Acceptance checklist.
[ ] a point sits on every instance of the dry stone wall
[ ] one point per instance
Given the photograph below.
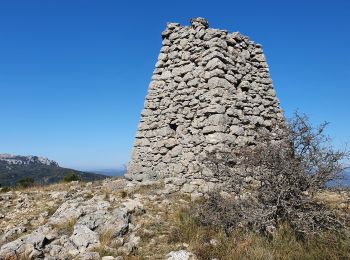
(210, 91)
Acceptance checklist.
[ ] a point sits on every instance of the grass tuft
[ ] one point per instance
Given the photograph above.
(123, 194)
(106, 246)
(106, 237)
(66, 227)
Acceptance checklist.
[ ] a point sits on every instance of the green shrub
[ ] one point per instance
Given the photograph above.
(25, 183)
(69, 177)
(4, 189)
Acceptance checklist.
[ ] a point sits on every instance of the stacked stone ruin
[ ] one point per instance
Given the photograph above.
(210, 91)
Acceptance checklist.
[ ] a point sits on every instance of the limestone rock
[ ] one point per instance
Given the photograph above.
(108, 258)
(133, 205)
(210, 92)
(180, 255)
(84, 238)
(199, 22)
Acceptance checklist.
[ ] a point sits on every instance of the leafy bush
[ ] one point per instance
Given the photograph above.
(25, 183)
(71, 177)
(274, 182)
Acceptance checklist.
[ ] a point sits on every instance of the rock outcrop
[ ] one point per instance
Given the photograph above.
(11, 159)
(73, 230)
(210, 91)
(111, 220)
(107, 219)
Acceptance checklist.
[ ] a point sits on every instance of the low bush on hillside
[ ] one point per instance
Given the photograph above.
(275, 182)
(69, 177)
(4, 189)
(25, 183)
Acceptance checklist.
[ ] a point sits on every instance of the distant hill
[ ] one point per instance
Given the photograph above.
(346, 180)
(42, 170)
(111, 172)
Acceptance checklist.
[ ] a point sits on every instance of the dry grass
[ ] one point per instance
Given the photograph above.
(45, 187)
(25, 256)
(106, 237)
(211, 242)
(148, 189)
(106, 194)
(156, 227)
(103, 251)
(52, 210)
(336, 199)
(123, 194)
(108, 245)
(88, 195)
(65, 227)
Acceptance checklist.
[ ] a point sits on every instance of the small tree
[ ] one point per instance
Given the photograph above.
(69, 177)
(275, 181)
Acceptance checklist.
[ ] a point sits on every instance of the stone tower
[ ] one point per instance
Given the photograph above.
(210, 91)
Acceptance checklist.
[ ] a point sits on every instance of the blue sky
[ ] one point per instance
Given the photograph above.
(74, 74)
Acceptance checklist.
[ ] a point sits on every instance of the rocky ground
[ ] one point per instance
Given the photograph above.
(112, 219)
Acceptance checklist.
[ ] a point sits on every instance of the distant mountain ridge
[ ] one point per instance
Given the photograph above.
(346, 179)
(42, 170)
(26, 160)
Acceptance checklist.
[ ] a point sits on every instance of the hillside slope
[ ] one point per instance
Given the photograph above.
(41, 170)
